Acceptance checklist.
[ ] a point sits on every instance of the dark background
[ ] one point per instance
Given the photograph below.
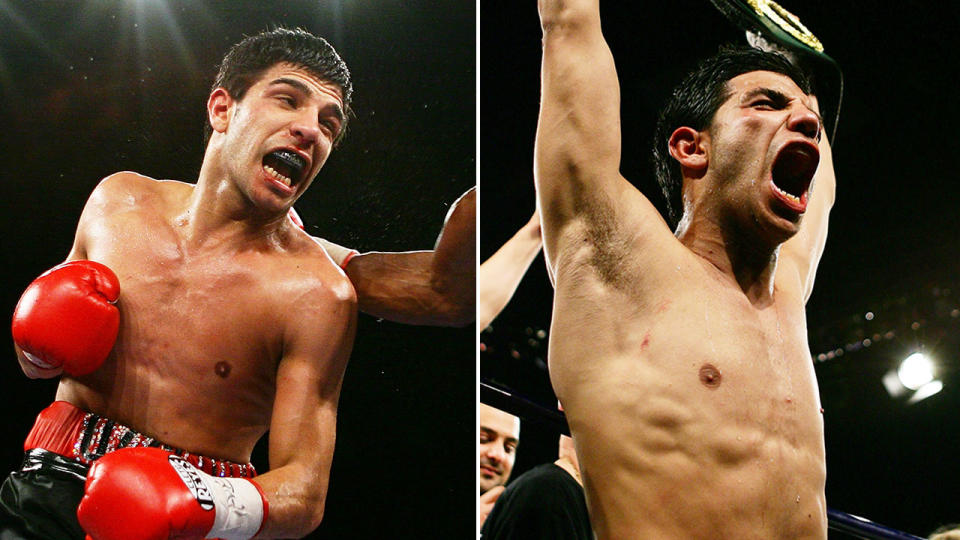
(892, 248)
(88, 88)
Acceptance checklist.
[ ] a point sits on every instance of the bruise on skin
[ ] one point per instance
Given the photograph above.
(710, 376)
(222, 369)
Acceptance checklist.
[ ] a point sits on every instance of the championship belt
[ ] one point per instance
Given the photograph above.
(770, 27)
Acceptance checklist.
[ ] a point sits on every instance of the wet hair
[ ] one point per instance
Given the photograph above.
(695, 101)
(246, 62)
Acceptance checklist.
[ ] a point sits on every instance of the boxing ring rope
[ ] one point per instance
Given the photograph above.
(527, 409)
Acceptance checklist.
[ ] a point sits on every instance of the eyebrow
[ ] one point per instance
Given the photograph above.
(306, 91)
(777, 96)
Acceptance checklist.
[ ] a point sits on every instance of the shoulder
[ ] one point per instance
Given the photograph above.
(127, 188)
(546, 478)
(311, 272)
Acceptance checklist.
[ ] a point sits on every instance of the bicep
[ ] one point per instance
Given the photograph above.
(303, 423)
(309, 377)
(578, 132)
(582, 195)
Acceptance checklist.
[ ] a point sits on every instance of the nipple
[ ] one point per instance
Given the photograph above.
(222, 369)
(710, 376)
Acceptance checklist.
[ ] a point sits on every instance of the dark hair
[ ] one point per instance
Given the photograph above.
(246, 61)
(695, 101)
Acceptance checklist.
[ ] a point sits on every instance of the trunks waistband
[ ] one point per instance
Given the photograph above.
(85, 437)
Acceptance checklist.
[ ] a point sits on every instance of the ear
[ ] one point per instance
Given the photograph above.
(219, 106)
(687, 146)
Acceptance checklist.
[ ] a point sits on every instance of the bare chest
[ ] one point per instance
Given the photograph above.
(196, 313)
(689, 353)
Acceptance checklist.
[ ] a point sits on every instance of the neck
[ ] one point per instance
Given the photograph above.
(217, 212)
(750, 262)
(570, 466)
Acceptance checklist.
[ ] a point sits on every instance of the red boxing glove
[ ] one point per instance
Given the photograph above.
(150, 494)
(66, 317)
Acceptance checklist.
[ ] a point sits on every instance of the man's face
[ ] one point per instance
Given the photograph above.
(499, 434)
(763, 151)
(280, 134)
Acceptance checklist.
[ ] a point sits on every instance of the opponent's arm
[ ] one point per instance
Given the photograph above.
(499, 276)
(303, 425)
(577, 155)
(801, 254)
(421, 287)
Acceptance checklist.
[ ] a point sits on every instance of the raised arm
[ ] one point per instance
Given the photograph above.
(499, 276)
(303, 425)
(801, 254)
(577, 155)
(434, 288)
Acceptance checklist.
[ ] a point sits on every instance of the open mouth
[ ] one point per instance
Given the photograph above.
(285, 166)
(793, 170)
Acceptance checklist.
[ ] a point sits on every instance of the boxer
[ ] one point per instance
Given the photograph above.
(679, 350)
(230, 320)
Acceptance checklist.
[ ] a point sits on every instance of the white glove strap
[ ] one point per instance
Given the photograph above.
(239, 508)
(237, 502)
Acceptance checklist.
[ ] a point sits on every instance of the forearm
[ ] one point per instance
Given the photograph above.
(806, 248)
(499, 276)
(434, 288)
(454, 262)
(403, 287)
(296, 496)
(577, 151)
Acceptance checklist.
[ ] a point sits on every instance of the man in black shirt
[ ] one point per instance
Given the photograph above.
(545, 502)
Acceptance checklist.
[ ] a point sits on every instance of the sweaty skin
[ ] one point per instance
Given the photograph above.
(233, 320)
(681, 360)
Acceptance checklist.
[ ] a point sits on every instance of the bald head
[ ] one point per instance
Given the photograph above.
(499, 435)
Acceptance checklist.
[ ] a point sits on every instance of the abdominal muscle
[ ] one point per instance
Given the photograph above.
(690, 426)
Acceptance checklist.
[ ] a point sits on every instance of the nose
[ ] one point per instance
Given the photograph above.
(805, 121)
(494, 453)
(307, 131)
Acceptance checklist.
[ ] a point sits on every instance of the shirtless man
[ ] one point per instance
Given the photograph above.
(231, 320)
(680, 356)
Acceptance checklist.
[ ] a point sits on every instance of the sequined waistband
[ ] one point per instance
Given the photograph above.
(85, 437)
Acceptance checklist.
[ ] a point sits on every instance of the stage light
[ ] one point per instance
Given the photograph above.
(915, 371)
(925, 391)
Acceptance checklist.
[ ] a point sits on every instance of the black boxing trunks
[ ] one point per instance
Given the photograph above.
(39, 501)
